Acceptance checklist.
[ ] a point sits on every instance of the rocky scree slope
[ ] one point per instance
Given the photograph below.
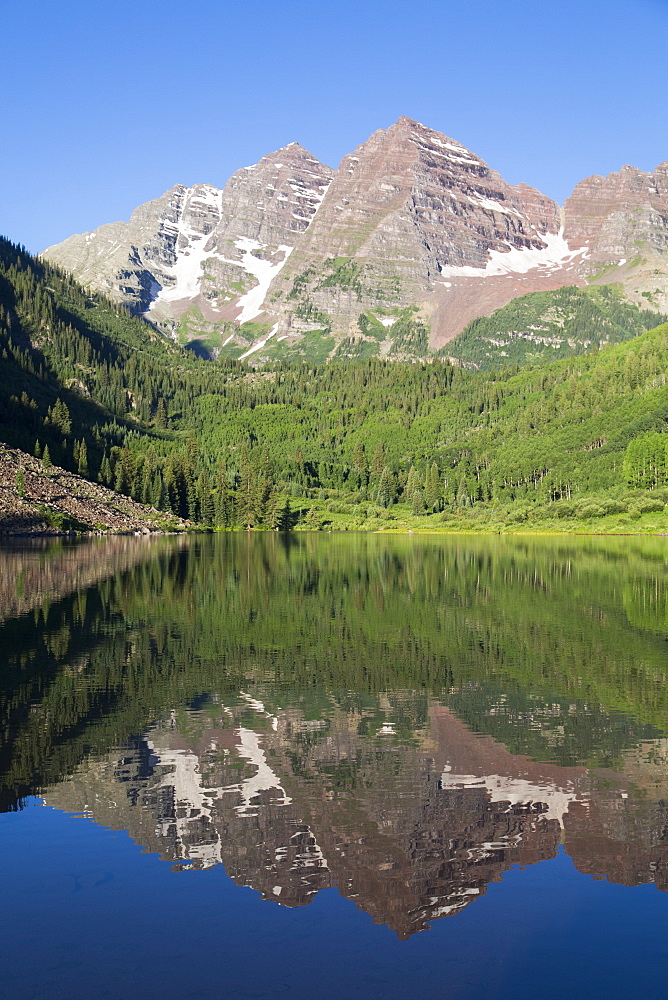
(393, 254)
(35, 500)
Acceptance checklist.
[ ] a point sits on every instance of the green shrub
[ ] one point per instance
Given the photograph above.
(649, 505)
(519, 514)
(586, 511)
(611, 506)
(563, 509)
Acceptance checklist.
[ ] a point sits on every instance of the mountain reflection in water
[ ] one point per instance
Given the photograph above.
(410, 831)
(403, 719)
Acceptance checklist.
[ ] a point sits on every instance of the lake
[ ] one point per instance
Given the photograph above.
(334, 766)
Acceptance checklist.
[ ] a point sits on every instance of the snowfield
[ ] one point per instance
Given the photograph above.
(553, 256)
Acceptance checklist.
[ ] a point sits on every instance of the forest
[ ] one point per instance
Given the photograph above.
(347, 444)
(544, 326)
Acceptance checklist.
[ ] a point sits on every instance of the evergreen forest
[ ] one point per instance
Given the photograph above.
(349, 444)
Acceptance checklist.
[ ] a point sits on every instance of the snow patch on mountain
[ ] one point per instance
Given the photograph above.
(264, 270)
(556, 254)
(494, 206)
(260, 344)
(264, 780)
(186, 271)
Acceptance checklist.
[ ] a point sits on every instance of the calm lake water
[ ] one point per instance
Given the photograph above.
(255, 766)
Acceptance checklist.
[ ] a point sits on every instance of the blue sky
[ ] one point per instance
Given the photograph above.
(106, 105)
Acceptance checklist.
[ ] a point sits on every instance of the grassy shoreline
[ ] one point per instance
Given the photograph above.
(399, 519)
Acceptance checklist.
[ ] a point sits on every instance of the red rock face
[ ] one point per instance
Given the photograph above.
(407, 207)
(416, 197)
(623, 220)
(613, 214)
(410, 219)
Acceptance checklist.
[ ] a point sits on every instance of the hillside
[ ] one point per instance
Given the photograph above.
(544, 326)
(35, 499)
(355, 445)
(98, 388)
(496, 447)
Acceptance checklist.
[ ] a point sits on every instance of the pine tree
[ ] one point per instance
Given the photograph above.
(360, 467)
(411, 484)
(385, 491)
(161, 417)
(266, 487)
(225, 508)
(247, 499)
(46, 458)
(224, 498)
(104, 476)
(313, 519)
(205, 502)
(189, 463)
(432, 490)
(417, 502)
(120, 478)
(158, 493)
(462, 499)
(174, 487)
(279, 514)
(378, 462)
(285, 522)
(82, 464)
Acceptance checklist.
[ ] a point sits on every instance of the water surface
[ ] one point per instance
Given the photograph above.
(250, 765)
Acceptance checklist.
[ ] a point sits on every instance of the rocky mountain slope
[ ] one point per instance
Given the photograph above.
(203, 249)
(623, 220)
(393, 254)
(35, 500)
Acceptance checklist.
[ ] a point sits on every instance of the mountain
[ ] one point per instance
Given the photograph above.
(203, 250)
(623, 220)
(391, 255)
(341, 445)
(406, 216)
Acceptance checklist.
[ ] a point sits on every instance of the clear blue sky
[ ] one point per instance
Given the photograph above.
(107, 104)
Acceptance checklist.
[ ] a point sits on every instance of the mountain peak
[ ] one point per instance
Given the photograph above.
(293, 150)
(415, 217)
(407, 129)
